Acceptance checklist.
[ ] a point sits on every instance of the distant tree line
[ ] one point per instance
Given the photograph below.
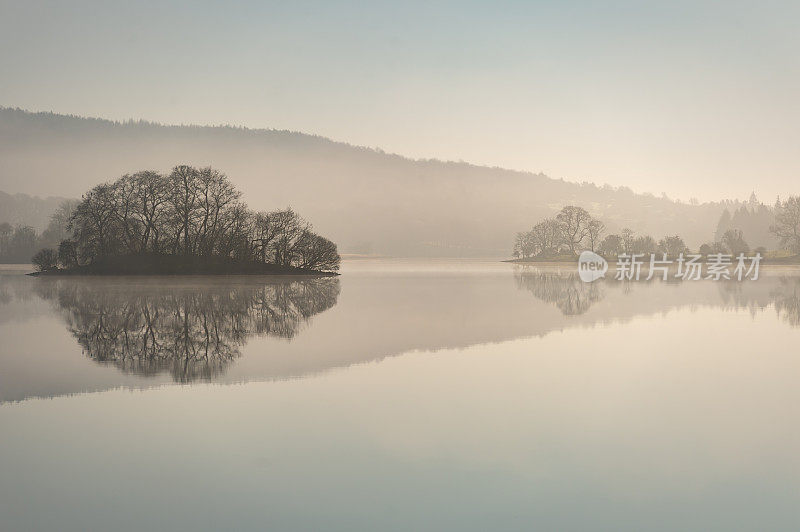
(573, 230)
(731, 242)
(627, 242)
(781, 223)
(189, 212)
(19, 242)
(25, 210)
(753, 219)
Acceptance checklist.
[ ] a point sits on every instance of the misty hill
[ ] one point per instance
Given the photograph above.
(368, 201)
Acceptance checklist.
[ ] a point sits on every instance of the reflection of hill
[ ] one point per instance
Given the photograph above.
(188, 331)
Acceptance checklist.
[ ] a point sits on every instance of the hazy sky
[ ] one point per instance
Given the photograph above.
(689, 98)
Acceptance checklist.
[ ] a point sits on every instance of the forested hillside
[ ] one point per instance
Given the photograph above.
(366, 200)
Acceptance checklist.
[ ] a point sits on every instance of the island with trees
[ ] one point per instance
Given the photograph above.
(573, 230)
(189, 221)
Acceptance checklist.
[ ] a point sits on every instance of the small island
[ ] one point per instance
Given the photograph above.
(573, 229)
(190, 221)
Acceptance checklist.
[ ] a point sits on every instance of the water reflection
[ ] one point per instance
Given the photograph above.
(177, 328)
(644, 405)
(63, 336)
(562, 288)
(573, 297)
(787, 300)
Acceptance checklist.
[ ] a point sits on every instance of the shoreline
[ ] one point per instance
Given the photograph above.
(787, 261)
(150, 265)
(68, 273)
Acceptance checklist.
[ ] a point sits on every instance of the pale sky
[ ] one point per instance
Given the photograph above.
(692, 98)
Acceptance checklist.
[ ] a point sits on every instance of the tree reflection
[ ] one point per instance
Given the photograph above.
(574, 297)
(191, 331)
(564, 289)
(787, 300)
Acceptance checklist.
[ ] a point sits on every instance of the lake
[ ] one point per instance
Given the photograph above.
(402, 395)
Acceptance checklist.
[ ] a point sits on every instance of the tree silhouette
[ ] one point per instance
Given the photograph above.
(192, 213)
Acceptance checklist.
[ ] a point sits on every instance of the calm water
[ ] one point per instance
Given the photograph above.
(404, 395)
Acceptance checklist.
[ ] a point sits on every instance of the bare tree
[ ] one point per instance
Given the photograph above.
(628, 236)
(183, 199)
(575, 226)
(265, 231)
(594, 231)
(524, 245)
(151, 190)
(545, 238)
(316, 252)
(290, 228)
(92, 223)
(215, 194)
